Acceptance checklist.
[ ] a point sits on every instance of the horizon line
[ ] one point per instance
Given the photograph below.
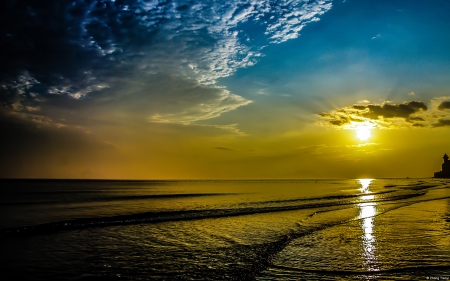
(203, 179)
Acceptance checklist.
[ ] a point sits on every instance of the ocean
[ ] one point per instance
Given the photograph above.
(355, 229)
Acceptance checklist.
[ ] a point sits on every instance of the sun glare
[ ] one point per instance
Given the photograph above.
(363, 133)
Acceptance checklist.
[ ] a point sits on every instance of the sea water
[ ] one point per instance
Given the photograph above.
(357, 229)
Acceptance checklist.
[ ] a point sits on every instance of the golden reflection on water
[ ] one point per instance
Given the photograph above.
(367, 213)
(365, 183)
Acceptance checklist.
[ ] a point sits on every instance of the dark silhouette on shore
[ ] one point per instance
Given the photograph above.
(445, 173)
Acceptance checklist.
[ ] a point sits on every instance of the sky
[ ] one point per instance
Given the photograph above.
(154, 89)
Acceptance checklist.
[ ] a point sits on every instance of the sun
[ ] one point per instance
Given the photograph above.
(363, 133)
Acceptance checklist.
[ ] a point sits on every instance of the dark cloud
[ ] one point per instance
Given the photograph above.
(388, 110)
(441, 123)
(224, 148)
(48, 39)
(337, 120)
(380, 115)
(444, 105)
(416, 118)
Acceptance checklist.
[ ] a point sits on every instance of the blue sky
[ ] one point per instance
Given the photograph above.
(399, 41)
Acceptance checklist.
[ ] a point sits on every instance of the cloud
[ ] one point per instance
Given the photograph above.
(324, 146)
(230, 127)
(84, 49)
(388, 110)
(441, 123)
(385, 115)
(33, 109)
(363, 145)
(390, 115)
(444, 105)
(313, 149)
(194, 104)
(223, 148)
(31, 117)
(289, 17)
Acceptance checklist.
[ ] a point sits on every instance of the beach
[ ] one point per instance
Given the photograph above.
(355, 229)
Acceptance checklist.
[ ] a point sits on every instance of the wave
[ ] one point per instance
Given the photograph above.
(266, 252)
(362, 272)
(158, 217)
(415, 186)
(330, 197)
(119, 198)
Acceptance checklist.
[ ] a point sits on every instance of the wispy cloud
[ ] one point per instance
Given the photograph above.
(289, 17)
(363, 145)
(32, 117)
(224, 148)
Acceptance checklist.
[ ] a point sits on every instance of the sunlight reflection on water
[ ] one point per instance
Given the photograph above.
(365, 183)
(367, 213)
